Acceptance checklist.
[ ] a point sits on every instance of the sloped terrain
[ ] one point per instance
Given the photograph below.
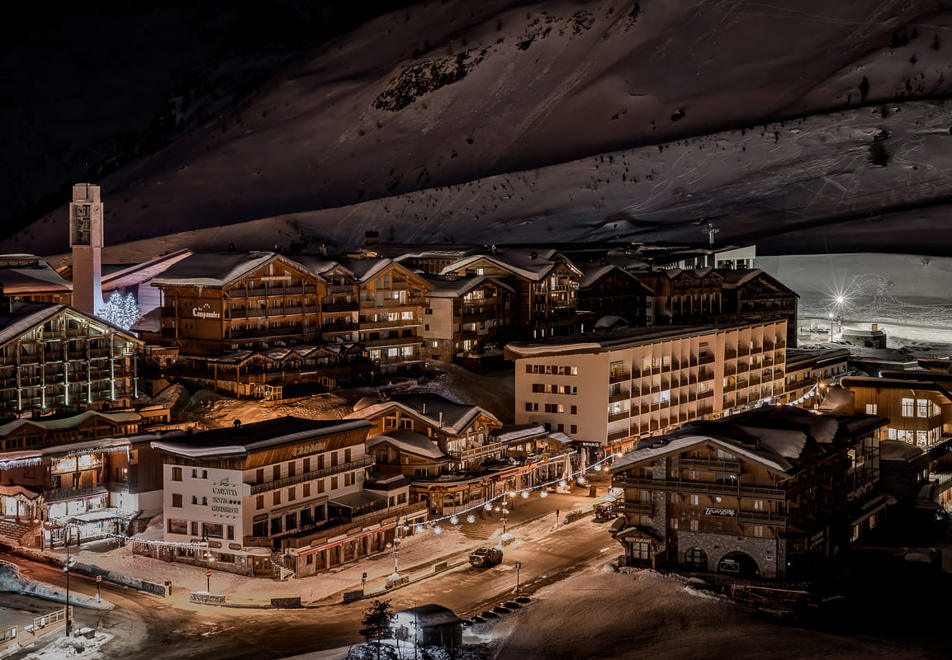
(504, 120)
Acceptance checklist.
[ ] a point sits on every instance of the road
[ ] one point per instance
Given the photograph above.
(147, 626)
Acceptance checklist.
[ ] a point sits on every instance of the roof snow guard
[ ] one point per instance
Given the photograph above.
(247, 439)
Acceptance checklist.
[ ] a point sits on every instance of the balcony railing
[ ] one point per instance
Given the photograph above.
(762, 517)
(58, 494)
(391, 341)
(637, 508)
(274, 484)
(478, 452)
(690, 486)
(366, 520)
(617, 416)
(710, 464)
(619, 376)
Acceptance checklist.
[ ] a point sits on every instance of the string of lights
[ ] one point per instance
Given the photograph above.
(524, 492)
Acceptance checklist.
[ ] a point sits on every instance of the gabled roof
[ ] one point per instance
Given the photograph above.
(409, 442)
(26, 315)
(458, 287)
(25, 273)
(849, 382)
(215, 269)
(593, 275)
(319, 264)
(429, 408)
(248, 438)
(366, 269)
(533, 265)
(674, 273)
(64, 423)
(738, 277)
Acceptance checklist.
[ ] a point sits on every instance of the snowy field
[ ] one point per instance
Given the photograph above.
(909, 296)
(566, 121)
(647, 615)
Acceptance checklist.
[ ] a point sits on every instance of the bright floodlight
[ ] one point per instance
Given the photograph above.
(840, 300)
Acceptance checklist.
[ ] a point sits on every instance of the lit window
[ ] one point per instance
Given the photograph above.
(908, 406)
(758, 531)
(871, 408)
(922, 407)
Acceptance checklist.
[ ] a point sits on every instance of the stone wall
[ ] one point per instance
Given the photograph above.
(769, 553)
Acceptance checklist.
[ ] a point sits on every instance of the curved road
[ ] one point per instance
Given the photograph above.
(154, 628)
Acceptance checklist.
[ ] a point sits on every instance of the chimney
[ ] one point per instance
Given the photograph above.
(86, 240)
(424, 408)
(441, 418)
(237, 422)
(875, 327)
(371, 237)
(323, 249)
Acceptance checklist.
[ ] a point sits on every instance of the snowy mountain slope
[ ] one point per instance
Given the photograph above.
(517, 120)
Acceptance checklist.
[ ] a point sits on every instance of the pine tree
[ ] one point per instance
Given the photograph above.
(376, 622)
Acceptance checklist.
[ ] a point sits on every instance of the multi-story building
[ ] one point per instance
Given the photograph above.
(684, 296)
(545, 283)
(807, 367)
(390, 307)
(214, 303)
(764, 493)
(284, 494)
(456, 456)
(33, 433)
(611, 290)
(339, 306)
(466, 315)
(614, 389)
(30, 278)
(753, 295)
(54, 358)
(96, 486)
(918, 405)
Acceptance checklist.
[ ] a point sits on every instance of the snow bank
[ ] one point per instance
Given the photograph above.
(77, 646)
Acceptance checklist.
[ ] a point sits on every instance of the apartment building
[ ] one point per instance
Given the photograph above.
(390, 307)
(684, 296)
(266, 496)
(545, 281)
(215, 303)
(616, 388)
(814, 366)
(339, 305)
(54, 358)
(608, 290)
(466, 315)
(97, 486)
(766, 493)
(918, 405)
(753, 295)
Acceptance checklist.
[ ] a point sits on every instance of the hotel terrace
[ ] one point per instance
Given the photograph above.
(648, 380)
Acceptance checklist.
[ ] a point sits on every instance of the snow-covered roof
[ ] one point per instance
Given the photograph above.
(530, 264)
(409, 442)
(319, 264)
(25, 273)
(560, 437)
(678, 445)
(427, 407)
(249, 438)
(131, 274)
(13, 491)
(63, 423)
(212, 270)
(593, 275)
(455, 288)
(517, 432)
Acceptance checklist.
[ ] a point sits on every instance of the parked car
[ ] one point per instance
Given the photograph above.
(485, 557)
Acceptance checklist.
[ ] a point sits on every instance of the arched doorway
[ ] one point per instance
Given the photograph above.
(738, 563)
(696, 559)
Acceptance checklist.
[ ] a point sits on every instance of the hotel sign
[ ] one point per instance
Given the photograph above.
(310, 448)
(715, 511)
(205, 312)
(225, 497)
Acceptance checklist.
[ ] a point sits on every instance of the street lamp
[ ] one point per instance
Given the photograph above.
(67, 536)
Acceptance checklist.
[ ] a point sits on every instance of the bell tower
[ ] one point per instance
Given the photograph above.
(85, 238)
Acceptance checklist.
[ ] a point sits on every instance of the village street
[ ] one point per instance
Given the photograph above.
(146, 626)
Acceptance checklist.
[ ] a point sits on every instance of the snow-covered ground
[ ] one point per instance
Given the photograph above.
(600, 613)
(908, 296)
(419, 549)
(492, 121)
(77, 646)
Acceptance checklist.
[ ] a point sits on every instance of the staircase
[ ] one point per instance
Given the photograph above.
(12, 531)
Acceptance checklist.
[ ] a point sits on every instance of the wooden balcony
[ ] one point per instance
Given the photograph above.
(707, 487)
(274, 484)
